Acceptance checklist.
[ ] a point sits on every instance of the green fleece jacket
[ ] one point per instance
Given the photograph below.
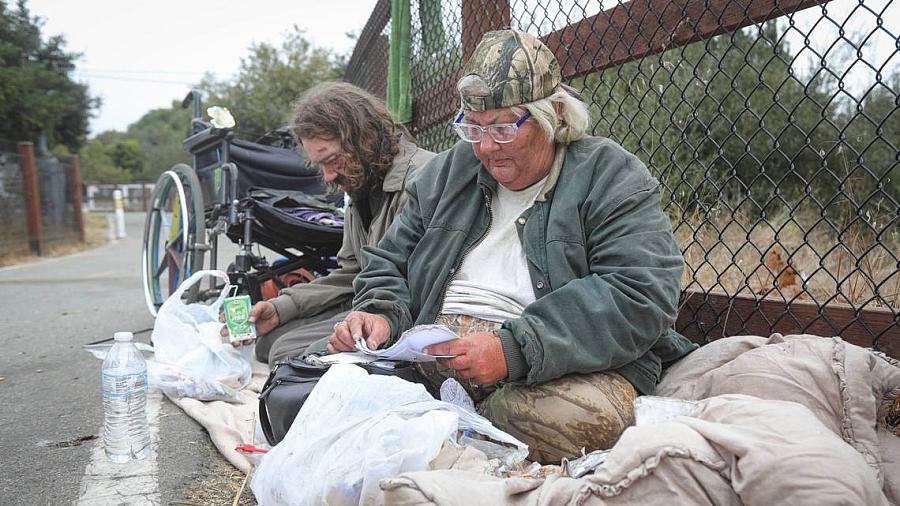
(605, 267)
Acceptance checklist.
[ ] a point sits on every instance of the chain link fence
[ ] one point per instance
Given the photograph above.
(56, 220)
(773, 127)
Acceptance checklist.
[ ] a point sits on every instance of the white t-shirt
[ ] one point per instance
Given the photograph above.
(493, 282)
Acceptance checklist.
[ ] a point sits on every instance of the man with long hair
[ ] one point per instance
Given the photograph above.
(350, 135)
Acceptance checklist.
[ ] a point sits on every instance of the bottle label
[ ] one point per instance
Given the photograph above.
(117, 384)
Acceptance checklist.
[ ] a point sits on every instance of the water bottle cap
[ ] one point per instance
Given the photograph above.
(123, 336)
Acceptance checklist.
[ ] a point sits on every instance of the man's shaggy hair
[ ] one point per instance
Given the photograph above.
(358, 121)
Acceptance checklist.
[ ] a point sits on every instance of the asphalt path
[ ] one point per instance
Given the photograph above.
(50, 405)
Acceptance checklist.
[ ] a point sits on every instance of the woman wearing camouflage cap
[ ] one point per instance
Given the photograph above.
(545, 249)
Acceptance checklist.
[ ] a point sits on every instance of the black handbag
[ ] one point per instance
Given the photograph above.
(290, 383)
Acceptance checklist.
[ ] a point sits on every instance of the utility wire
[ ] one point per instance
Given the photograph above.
(137, 79)
(128, 71)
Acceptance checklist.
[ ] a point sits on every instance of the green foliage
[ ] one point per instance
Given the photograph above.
(159, 133)
(126, 154)
(728, 118)
(269, 80)
(98, 167)
(36, 92)
(150, 146)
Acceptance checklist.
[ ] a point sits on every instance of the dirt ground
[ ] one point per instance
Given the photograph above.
(95, 234)
(219, 484)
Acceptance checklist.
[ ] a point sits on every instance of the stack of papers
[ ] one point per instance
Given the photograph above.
(409, 348)
(411, 344)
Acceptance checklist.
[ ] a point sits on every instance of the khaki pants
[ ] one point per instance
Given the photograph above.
(555, 419)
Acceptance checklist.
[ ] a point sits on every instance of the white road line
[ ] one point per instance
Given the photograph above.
(135, 482)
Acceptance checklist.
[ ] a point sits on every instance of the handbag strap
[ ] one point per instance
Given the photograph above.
(264, 421)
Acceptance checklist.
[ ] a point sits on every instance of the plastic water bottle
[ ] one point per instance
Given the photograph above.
(126, 433)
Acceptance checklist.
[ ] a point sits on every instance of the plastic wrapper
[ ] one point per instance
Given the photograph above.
(576, 468)
(651, 409)
(454, 393)
(360, 428)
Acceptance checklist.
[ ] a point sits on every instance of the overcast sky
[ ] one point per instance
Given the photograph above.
(139, 56)
(142, 55)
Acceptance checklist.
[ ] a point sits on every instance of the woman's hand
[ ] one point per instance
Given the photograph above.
(477, 357)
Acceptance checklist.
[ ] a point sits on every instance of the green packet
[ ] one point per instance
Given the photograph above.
(237, 317)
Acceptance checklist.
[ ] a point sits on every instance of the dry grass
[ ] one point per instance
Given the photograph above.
(221, 485)
(95, 234)
(794, 257)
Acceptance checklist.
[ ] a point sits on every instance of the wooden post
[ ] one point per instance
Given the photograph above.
(75, 188)
(480, 16)
(144, 196)
(32, 197)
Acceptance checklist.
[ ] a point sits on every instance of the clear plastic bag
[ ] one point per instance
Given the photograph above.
(360, 428)
(186, 337)
(172, 381)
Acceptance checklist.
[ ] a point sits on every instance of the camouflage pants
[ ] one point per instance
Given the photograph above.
(557, 418)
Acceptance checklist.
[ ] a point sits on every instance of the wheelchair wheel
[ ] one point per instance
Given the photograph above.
(174, 236)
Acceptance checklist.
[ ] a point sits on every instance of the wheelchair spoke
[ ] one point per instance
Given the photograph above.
(176, 254)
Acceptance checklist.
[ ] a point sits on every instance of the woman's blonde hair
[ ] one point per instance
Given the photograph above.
(563, 117)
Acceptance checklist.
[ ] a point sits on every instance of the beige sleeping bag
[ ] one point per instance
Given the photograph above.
(804, 433)
(732, 450)
(848, 388)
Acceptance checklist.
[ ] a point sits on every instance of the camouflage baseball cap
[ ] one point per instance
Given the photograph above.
(508, 68)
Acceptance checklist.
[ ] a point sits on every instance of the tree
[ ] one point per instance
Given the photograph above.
(97, 167)
(37, 93)
(728, 120)
(270, 79)
(159, 133)
(126, 154)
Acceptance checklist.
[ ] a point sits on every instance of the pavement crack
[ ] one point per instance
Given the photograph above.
(78, 441)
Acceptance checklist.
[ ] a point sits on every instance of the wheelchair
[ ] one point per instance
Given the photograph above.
(260, 193)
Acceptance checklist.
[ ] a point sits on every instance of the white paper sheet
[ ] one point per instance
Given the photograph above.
(411, 344)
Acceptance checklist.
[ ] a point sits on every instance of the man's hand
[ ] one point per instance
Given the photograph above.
(375, 329)
(477, 357)
(263, 314)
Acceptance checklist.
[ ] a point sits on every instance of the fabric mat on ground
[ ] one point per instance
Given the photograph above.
(731, 450)
(846, 388)
(850, 389)
(231, 424)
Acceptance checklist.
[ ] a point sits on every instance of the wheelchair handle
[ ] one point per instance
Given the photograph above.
(194, 96)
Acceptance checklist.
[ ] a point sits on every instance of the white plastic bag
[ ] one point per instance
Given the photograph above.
(172, 381)
(186, 336)
(355, 429)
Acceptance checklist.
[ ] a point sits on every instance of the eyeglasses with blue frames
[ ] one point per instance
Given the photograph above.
(502, 133)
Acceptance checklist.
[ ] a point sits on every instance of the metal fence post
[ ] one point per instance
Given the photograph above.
(32, 197)
(75, 178)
